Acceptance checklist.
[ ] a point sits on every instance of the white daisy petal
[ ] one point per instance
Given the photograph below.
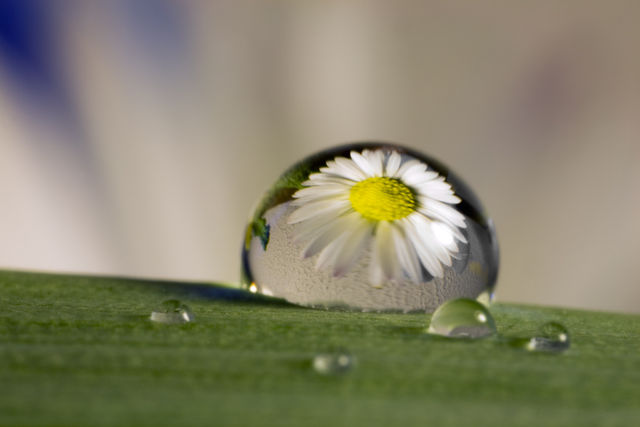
(419, 178)
(413, 171)
(425, 246)
(429, 240)
(335, 170)
(438, 210)
(359, 238)
(327, 197)
(405, 166)
(363, 163)
(406, 253)
(311, 210)
(445, 197)
(376, 275)
(427, 259)
(376, 160)
(323, 240)
(310, 193)
(454, 230)
(393, 163)
(445, 235)
(437, 184)
(329, 254)
(311, 228)
(349, 169)
(318, 179)
(384, 252)
(329, 232)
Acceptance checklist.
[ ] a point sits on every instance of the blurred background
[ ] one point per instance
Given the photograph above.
(136, 135)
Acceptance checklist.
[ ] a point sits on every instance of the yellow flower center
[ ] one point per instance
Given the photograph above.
(382, 199)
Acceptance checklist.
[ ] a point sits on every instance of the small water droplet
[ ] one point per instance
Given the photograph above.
(333, 363)
(552, 337)
(462, 318)
(172, 311)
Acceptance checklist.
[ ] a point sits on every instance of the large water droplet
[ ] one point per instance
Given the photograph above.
(552, 337)
(462, 318)
(333, 363)
(172, 311)
(348, 228)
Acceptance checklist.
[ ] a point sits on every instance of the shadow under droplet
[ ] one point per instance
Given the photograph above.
(208, 291)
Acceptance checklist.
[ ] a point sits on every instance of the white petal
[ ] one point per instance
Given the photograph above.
(438, 210)
(393, 163)
(324, 239)
(376, 275)
(323, 178)
(321, 190)
(445, 235)
(358, 239)
(413, 171)
(327, 198)
(434, 185)
(429, 240)
(349, 169)
(453, 228)
(419, 178)
(310, 229)
(322, 207)
(432, 253)
(376, 160)
(363, 163)
(407, 253)
(329, 232)
(445, 197)
(428, 260)
(384, 253)
(339, 170)
(430, 263)
(407, 165)
(329, 254)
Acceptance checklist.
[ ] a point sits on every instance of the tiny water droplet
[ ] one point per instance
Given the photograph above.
(333, 363)
(172, 311)
(552, 337)
(462, 318)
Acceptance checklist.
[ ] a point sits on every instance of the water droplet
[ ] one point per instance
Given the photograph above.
(333, 363)
(462, 318)
(552, 337)
(295, 246)
(172, 311)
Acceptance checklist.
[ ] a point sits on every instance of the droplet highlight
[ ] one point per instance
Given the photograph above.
(333, 363)
(462, 318)
(171, 312)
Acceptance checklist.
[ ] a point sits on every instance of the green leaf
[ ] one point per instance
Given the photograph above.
(82, 351)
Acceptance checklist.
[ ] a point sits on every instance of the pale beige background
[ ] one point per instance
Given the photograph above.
(535, 104)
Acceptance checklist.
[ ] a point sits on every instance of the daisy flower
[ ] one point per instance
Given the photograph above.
(376, 201)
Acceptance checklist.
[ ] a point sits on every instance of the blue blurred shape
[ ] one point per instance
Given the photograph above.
(26, 36)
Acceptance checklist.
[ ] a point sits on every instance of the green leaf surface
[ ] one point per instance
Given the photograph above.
(78, 351)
